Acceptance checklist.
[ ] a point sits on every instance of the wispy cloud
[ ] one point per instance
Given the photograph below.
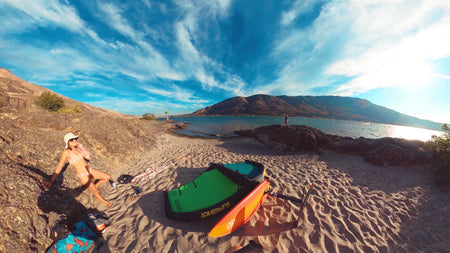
(377, 44)
(299, 7)
(50, 12)
(187, 54)
(197, 63)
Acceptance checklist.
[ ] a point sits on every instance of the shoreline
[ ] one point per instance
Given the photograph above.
(228, 125)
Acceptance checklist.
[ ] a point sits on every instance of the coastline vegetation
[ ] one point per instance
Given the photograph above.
(50, 101)
(438, 148)
(149, 116)
(54, 103)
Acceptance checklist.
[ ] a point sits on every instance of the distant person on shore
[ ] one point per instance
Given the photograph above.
(78, 157)
(286, 119)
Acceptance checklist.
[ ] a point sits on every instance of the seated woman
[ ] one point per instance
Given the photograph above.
(78, 157)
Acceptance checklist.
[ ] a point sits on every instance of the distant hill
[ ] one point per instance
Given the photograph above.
(333, 107)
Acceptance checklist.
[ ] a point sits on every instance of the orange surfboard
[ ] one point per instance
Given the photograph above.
(242, 212)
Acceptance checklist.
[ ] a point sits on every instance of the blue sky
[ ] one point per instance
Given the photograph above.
(146, 56)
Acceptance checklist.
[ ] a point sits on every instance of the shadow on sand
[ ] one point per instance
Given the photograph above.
(61, 200)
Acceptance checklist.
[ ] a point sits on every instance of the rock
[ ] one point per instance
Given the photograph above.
(384, 151)
(388, 154)
(393, 152)
(180, 126)
(288, 137)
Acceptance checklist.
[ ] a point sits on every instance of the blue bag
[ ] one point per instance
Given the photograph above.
(78, 241)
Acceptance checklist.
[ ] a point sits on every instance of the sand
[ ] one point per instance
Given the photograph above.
(355, 207)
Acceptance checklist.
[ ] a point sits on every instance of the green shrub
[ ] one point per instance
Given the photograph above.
(438, 148)
(75, 109)
(148, 116)
(50, 101)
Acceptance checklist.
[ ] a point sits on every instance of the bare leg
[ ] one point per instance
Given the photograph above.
(85, 180)
(101, 176)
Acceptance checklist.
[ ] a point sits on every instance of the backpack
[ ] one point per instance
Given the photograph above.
(59, 230)
(77, 240)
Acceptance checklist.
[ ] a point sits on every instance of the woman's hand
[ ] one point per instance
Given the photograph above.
(85, 153)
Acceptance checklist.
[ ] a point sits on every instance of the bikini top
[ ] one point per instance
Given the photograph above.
(83, 153)
(74, 158)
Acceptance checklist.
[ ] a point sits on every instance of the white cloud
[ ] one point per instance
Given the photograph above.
(58, 63)
(299, 8)
(407, 60)
(210, 9)
(47, 13)
(160, 92)
(184, 43)
(174, 92)
(156, 107)
(212, 75)
(113, 15)
(147, 3)
(128, 106)
(141, 61)
(378, 43)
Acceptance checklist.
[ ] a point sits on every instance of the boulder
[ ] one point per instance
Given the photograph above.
(288, 137)
(383, 151)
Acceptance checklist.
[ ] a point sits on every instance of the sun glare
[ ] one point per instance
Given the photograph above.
(407, 73)
(413, 133)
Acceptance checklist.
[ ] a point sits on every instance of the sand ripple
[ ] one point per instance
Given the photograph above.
(355, 207)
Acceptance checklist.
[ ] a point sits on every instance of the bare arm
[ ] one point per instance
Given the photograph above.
(85, 153)
(58, 169)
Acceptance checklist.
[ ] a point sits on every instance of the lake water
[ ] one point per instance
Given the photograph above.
(224, 126)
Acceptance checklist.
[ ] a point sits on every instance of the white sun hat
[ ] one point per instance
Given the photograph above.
(69, 137)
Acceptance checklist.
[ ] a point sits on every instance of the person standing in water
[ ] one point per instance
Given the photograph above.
(78, 157)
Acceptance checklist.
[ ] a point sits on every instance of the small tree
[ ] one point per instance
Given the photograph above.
(50, 101)
(439, 150)
(148, 116)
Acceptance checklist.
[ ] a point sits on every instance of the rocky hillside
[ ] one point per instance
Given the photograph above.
(333, 107)
(18, 95)
(31, 142)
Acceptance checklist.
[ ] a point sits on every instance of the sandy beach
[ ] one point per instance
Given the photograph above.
(355, 206)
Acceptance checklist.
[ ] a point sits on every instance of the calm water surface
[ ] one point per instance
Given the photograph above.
(224, 126)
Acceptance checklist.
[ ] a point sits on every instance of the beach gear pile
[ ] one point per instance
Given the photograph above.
(78, 237)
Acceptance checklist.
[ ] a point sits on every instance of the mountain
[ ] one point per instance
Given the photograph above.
(333, 107)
